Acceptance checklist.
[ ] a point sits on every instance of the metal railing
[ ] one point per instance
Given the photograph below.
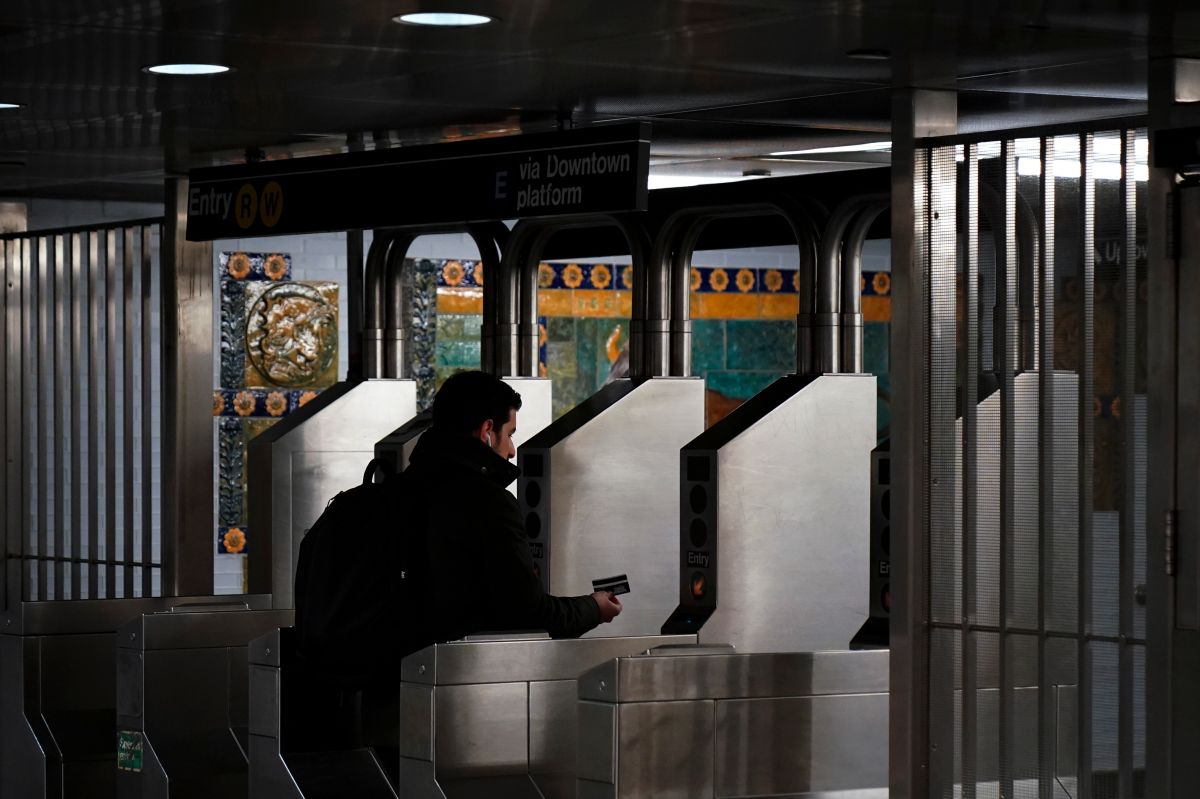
(82, 407)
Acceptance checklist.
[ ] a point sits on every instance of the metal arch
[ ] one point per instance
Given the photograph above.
(490, 239)
(373, 301)
(395, 350)
(516, 326)
(384, 338)
(850, 320)
(832, 282)
(668, 326)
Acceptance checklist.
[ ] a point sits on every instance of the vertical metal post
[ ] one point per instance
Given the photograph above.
(354, 303)
(1009, 348)
(915, 114)
(78, 363)
(187, 468)
(1128, 361)
(43, 370)
(95, 406)
(16, 372)
(10, 402)
(60, 395)
(147, 404)
(1172, 692)
(1047, 479)
(111, 343)
(1086, 359)
(128, 358)
(969, 221)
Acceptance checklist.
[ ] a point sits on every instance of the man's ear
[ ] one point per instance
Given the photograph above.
(485, 430)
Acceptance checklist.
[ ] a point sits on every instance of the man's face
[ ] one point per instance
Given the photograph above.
(501, 441)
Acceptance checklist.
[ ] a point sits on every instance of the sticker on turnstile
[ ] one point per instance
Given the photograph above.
(617, 585)
(129, 750)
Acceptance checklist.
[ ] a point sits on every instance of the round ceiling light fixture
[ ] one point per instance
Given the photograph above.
(188, 69)
(869, 54)
(443, 19)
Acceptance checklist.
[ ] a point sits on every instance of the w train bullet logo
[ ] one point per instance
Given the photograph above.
(265, 206)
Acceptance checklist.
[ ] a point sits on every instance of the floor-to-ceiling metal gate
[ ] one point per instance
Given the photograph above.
(82, 355)
(1027, 498)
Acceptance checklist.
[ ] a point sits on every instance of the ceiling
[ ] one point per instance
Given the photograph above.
(725, 82)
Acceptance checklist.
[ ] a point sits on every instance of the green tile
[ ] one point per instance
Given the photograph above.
(560, 328)
(708, 344)
(875, 347)
(760, 345)
(561, 360)
(740, 385)
(458, 354)
(450, 327)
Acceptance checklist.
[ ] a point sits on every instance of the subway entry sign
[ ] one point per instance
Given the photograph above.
(581, 172)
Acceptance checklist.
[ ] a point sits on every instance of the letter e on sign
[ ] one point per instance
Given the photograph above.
(271, 204)
(245, 206)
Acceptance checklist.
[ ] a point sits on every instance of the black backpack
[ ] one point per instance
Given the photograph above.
(354, 584)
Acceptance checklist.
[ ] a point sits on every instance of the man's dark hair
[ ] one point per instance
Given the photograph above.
(468, 399)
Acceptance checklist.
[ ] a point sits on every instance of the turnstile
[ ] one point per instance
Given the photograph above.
(774, 519)
(496, 717)
(681, 725)
(182, 702)
(58, 693)
(597, 493)
(302, 461)
(307, 739)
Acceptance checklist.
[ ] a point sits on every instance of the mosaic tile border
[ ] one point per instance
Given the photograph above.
(260, 402)
(609, 277)
(237, 265)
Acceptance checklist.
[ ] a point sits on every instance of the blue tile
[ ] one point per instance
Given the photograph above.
(708, 344)
(760, 345)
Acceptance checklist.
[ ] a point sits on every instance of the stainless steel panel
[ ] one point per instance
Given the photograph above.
(673, 678)
(100, 615)
(187, 468)
(800, 745)
(794, 522)
(481, 729)
(665, 749)
(553, 719)
(43, 395)
(95, 366)
(416, 721)
(60, 393)
(111, 355)
(596, 750)
(264, 692)
(525, 659)
(295, 470)
(75, 357)
(128, 445)
(613, 514)
(198, 630)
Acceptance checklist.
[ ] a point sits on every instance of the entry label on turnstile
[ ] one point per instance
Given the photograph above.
(129, 750)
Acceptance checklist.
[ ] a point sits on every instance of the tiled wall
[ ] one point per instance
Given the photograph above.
(743, 330)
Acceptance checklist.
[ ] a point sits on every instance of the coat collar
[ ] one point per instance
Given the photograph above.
(436, 448)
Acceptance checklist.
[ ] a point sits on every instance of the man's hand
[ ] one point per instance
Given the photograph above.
(610, 606)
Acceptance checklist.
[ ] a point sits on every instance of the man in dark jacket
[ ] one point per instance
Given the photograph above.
(475, 573)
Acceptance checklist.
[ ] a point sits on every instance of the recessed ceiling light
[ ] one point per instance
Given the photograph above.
(869, 54)
(9, 105)
(442, 19)
(187, 69)
(866, 147)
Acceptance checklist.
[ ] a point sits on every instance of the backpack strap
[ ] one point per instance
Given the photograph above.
(379, 464)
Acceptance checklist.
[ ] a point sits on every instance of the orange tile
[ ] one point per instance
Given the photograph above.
(726, 306)
(877, 309)
(590, 302)
(467, 301)
(554, 302)
(780, 306)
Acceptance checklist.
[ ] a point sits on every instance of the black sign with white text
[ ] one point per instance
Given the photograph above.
(587, 171)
